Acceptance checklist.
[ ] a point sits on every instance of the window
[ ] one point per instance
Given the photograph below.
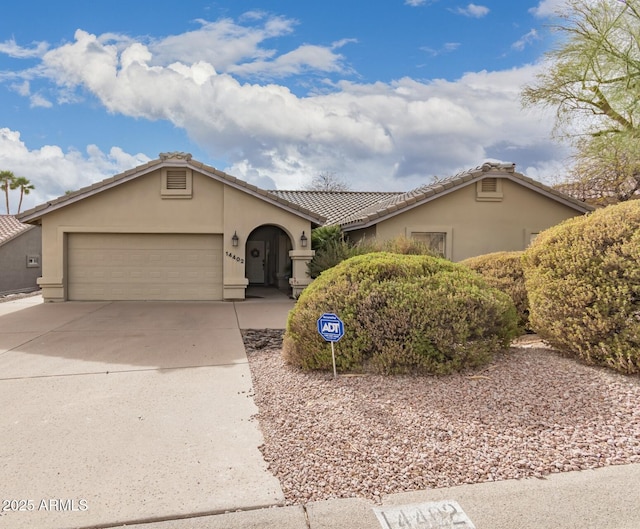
(435, 240)
(489, 190)
(176, 182)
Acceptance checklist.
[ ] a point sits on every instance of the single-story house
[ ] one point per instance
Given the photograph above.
(488, 209)
(176, 229)
(20, 249)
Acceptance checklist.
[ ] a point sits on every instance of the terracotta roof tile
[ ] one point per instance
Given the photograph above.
(173, 159)
(334, 205)
(11, 227)
(351, 209)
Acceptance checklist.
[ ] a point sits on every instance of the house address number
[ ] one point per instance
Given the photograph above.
(235, 257)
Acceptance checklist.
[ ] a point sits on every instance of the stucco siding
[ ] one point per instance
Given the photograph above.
(477, 227)
(139, 207)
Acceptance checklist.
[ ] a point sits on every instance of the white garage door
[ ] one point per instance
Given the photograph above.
(118, 266)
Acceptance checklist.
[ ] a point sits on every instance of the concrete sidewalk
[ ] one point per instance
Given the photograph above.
(605, 498)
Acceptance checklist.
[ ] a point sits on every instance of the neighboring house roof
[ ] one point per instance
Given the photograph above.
(353, 210)
(173, 159)
(10, 228)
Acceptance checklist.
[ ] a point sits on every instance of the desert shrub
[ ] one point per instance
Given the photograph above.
(583, 280)
(503, 270)
(402, 313)
(324, 235)
(403, 245)
(332, 248)
(332, 253)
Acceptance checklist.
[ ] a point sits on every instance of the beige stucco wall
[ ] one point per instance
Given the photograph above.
(476, 227)
(245, 213)
(138, 207)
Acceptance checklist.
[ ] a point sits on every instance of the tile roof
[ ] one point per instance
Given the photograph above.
(10, 227)
(422, 194)
(350, 209)
(172, 159)
(359, 209)
(334, 205)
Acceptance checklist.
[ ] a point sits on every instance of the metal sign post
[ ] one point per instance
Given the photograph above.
(331, 328)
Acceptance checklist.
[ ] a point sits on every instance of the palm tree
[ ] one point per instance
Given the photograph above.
(25, 187)
(6, 182)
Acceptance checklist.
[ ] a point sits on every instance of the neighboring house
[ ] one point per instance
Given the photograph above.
(176, 229)
(20, 249)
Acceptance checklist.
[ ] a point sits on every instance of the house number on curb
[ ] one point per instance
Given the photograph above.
(331, 328)
(445, 514)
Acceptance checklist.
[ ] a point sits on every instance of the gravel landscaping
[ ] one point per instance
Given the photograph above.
(530, 413)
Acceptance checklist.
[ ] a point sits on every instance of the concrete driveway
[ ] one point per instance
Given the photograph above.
(124, 411)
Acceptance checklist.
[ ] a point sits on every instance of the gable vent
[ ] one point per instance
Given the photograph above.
(176, 179)
(489, 185)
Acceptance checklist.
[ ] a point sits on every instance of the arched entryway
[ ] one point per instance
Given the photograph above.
(267, 258)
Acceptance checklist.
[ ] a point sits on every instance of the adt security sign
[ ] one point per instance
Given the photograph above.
(330, 327)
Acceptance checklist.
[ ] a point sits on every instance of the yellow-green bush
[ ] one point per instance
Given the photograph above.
(583, 280)
(503, 270)
(331, 248)
(402, 313)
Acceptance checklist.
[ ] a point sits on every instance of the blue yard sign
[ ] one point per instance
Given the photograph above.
(330, 327)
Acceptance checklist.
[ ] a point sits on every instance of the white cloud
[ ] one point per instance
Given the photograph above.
(526, 39)
(473, 10)
(11, 48)
(547, 8)
(378, 135)
(447, 47)
(24, 88)
(53, 171)
(306, 57)
(230, 47)
(38, 100)
(415, 3)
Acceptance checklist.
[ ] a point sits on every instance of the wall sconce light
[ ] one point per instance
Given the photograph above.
(303, 240)
(234, 239)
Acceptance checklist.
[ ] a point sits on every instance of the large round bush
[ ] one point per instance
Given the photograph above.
(402, 313)
(583, 280)
(503, 270)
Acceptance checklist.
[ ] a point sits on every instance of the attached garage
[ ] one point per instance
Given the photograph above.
(172, 229)
(144, 266)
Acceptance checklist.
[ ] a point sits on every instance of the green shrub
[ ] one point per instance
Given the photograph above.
(331, 248)
(403, 245)
(324, 235)
(332, 253)
(583, 280)
(503, 270)
(402, 313)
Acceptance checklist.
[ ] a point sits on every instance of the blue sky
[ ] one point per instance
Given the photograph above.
(385, 95)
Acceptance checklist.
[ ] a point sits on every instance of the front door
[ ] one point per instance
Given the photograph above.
(255, 262)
